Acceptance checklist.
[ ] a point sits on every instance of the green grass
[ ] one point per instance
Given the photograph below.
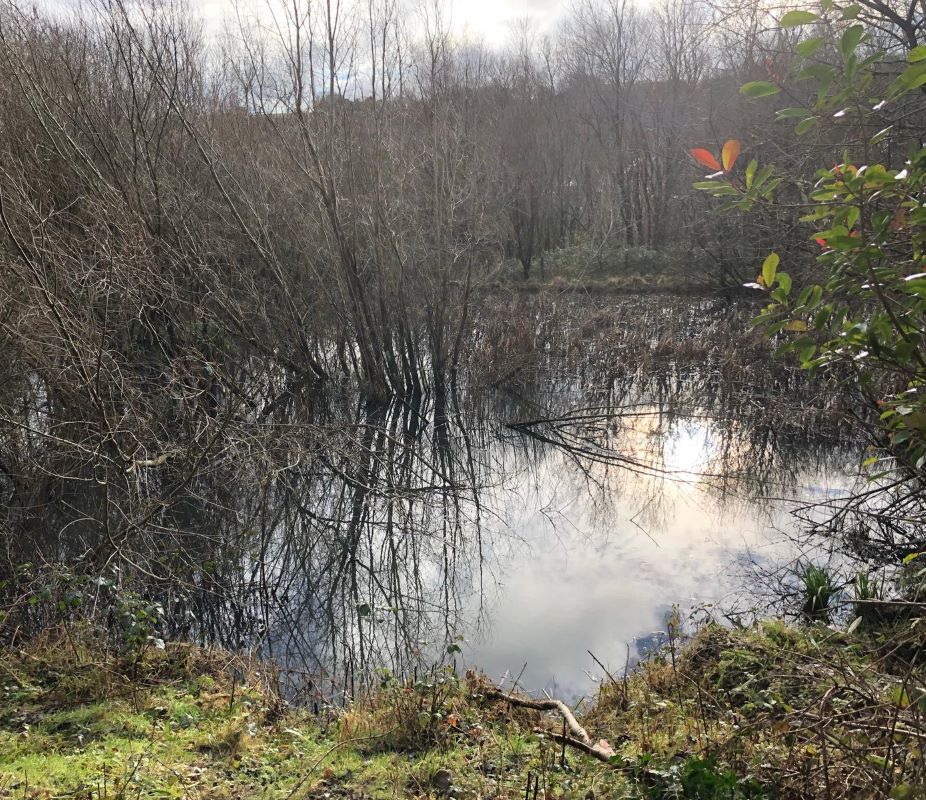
(819, 590)
(176, 732)
(768, 712)
(613, 269)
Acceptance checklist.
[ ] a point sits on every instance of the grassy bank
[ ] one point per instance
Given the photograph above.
(610, 268)
(772, 711)
(632, 284)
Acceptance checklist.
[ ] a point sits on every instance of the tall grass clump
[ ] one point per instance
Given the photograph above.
(818, 590)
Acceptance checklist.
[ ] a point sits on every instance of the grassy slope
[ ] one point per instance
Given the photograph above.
(772, 711)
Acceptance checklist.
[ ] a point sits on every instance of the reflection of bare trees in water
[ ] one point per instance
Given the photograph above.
(341, 542)
(615, 389)
(339, 533)
(374, 540)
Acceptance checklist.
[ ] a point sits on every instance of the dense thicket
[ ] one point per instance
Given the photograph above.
(209, 243)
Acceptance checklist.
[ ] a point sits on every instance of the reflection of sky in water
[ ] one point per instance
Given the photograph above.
(594, 561)
(690, 450)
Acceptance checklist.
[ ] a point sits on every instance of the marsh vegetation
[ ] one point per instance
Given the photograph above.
(342, 357)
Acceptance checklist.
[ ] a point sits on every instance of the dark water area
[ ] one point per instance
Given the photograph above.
(592, 464)
(631, 456)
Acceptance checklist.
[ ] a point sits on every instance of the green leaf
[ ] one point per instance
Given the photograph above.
(364, 610)
(809, 46)
(881, 135)
(850, 40)
(762, 176)
(851, 11)
(794, 18)
(796, 113)
(918, 53)
(717, 188)
(822, 73)
(769, 268)
(805, 125)
(900, 697)
(759, 89)
(823, 316)
(770, 187)
(912, 77)
(750, 172)
(852, 216)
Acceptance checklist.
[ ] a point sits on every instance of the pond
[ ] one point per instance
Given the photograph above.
(593, 465)
(590, 559)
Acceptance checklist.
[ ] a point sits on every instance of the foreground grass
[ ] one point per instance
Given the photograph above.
(766, 712)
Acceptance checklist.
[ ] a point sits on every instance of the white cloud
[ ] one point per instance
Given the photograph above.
(485, 20)
(492, 20)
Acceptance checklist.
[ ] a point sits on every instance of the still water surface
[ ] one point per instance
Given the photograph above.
(592, 466)
(591, 558)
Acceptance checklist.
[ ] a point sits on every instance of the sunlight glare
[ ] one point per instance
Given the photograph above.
(689, 449)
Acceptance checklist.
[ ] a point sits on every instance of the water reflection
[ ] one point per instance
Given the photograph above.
(562, 511)
(590, 466)
(611, 548)
(689, 449)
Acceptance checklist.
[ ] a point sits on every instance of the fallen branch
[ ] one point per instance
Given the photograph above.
(580, 740)
(602, 751)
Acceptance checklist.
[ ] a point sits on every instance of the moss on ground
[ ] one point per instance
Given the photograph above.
(771, 711)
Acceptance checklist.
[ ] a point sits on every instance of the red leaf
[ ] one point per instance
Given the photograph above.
(705, 158)
(821, 242)
(731, 152)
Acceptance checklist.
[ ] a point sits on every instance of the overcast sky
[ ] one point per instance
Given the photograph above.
(492, 19)
(487, 20)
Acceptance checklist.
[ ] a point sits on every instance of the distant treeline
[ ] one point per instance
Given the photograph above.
(341, 176)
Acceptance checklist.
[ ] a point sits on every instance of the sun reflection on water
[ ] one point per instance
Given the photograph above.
(689, 449)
